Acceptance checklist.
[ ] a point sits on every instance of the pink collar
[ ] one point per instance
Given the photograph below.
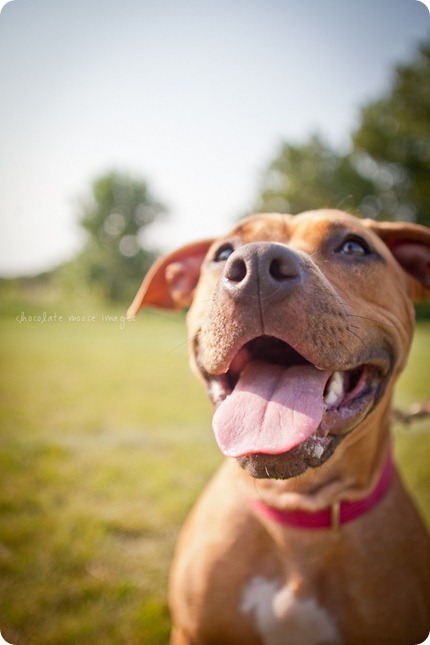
(337, 514)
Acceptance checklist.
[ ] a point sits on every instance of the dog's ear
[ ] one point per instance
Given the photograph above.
(410, 245)
(170, 282)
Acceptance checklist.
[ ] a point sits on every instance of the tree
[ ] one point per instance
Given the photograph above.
(384, 175)
(115, 215)
(394, 137)
(308, 176)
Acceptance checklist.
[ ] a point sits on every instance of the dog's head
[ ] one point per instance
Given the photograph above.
(298, 325)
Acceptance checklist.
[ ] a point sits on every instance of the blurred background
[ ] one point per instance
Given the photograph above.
(126, 129)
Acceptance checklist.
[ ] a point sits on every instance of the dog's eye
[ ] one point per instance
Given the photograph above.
(223, 253)
(355, 246)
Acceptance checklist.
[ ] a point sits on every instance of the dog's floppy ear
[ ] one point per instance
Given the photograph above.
(170, 282)
(410, 245)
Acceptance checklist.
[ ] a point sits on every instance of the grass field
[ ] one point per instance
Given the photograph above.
(105, 444)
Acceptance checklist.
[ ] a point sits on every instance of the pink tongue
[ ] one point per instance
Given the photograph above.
(271, 410)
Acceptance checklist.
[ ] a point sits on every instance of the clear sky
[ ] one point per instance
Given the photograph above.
(195, 96)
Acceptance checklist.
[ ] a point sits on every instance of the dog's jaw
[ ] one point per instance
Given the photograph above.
(347, 397)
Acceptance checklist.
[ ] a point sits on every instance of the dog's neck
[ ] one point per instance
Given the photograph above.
(337, 514)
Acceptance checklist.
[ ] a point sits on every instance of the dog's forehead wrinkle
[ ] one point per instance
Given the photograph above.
(272, 227)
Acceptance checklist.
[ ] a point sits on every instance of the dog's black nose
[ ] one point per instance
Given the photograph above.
(262, 268)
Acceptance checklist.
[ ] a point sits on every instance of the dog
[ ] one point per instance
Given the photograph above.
(299, 327)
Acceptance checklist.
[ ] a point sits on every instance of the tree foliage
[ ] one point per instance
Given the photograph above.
(114, 217)
(311, 175)
(384, 175)
(395, 133)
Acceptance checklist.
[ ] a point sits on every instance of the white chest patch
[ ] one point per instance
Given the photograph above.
(282, 618)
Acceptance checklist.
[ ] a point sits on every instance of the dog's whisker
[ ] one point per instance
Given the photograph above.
(349, 330)
(383, 321)
(367, 318)
(175, 349)
(187, 342)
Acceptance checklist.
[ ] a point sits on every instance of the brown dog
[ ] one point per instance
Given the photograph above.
(299, 328)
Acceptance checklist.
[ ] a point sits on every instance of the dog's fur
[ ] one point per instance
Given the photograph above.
(327, 289)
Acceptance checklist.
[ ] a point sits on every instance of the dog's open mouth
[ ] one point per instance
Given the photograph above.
(272, 399)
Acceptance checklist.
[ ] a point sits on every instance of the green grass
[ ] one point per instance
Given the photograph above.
(413, 444)
(105, 444)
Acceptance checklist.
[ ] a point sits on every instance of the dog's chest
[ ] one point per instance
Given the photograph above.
(279, 614)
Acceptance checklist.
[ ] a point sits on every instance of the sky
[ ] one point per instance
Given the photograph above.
(193, 96)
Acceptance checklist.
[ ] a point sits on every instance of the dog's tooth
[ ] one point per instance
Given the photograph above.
(216, 391)
(334, 388)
